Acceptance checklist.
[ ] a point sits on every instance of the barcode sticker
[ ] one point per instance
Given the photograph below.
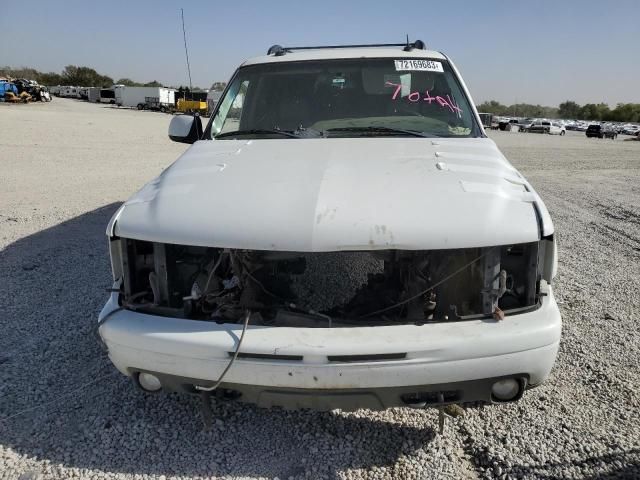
(424, 65)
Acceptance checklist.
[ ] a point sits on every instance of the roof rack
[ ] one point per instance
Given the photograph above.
(279, 50)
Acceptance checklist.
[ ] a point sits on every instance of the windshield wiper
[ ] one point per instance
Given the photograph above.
(413, 133)
(257, 131)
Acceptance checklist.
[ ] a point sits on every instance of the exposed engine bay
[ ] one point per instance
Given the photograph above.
(328, 289)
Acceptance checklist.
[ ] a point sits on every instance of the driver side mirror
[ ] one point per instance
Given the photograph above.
(185, 128)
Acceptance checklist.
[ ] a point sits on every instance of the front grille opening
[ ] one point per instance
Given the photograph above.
(329, 289)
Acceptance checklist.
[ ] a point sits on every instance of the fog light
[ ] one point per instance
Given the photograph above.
(149, 382)
(507, 389)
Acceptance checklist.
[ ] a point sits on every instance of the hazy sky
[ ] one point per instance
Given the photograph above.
(541, 51)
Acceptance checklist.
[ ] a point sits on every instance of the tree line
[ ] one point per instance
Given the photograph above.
(623, 112)
(82, 77)
(70, 75)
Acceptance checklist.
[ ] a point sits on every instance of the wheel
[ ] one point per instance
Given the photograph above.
(140, 106)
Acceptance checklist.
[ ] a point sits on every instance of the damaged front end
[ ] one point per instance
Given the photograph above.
(330, 289)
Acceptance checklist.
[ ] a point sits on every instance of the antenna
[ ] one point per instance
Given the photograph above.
(186, 51)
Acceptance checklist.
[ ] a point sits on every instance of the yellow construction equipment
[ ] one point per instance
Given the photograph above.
(191, 106)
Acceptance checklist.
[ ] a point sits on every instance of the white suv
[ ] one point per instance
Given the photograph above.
(342, 234)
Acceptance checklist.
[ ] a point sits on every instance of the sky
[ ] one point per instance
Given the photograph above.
(541, 52)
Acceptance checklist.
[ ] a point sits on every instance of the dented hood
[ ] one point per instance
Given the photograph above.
(336, 194)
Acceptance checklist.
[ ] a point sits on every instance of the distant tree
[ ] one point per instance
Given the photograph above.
(604, 112)
(589, 111)
(598, 112)
(626, 112)
(84, 77)
(493, 107)
(569, 109)
(518, 110)
(154, 83)
(127, 82)
(529, 110)
(22, 72)
(218, 86)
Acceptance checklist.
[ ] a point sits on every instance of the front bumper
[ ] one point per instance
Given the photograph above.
(323, 368)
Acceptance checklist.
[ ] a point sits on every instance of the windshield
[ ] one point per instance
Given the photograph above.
(344, 98)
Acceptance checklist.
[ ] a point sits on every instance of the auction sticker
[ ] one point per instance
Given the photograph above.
(424, 65)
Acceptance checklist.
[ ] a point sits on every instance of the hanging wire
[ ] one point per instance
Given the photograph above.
(431, 287)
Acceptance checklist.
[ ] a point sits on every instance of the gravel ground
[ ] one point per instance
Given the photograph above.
(331, 279)
(66, 413)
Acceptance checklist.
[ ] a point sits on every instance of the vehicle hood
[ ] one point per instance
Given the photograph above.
(336, 194)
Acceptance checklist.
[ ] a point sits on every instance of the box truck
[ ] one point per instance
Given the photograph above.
(145, 97)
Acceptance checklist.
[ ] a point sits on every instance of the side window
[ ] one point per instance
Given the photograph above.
(230, 112)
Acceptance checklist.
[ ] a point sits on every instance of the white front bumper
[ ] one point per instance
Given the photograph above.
(435, 353)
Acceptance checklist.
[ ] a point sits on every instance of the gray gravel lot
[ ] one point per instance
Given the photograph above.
(64, 169)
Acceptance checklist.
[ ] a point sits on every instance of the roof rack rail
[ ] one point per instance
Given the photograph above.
(279, 50)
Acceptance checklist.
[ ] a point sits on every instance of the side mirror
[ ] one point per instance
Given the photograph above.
(185, 128)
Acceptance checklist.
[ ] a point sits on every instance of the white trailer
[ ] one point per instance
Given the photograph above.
(145, 97)
(93, 94)
(117, 92)
(107, 95)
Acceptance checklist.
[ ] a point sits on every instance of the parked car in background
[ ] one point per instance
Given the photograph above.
(630, 129)
(600, 131)
(547, 126)
(330, 242)
(507, 124)
(525, 124)
(539, 126)
(557, 129)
